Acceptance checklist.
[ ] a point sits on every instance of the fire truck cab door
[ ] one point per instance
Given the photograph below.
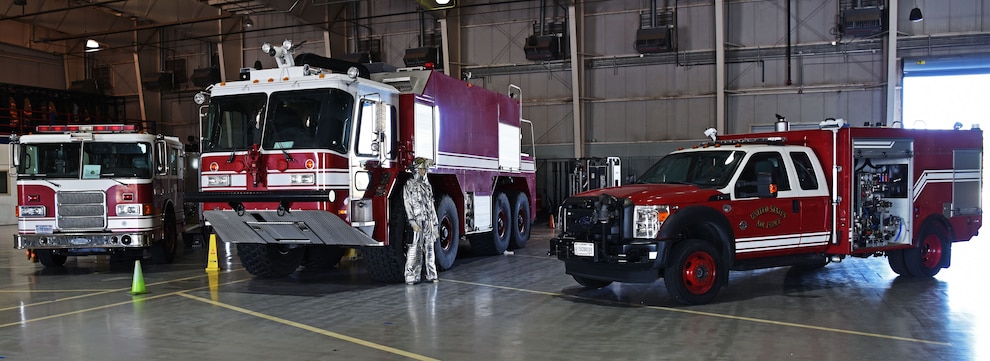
(764, 223)
(373, 141)
(812, 199)
(168, 173)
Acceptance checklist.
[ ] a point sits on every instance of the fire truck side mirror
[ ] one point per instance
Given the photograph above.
(15, 156)
(160, 159)
(765, 188)
(381, 119)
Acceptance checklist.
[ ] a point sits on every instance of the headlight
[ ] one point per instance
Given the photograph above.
(304, 178)
(218, 180)
(200, 98)
(31, 211)
(130, 209)
(647, 220)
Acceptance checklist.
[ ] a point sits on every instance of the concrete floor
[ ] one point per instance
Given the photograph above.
(517, 306)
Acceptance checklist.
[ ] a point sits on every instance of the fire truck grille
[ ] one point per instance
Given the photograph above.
(582, 219)
(81, 210)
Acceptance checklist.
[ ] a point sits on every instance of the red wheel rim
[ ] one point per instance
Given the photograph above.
(520, 223)
(931, 251)
(699, 273)
(446, 228)
(501, 224)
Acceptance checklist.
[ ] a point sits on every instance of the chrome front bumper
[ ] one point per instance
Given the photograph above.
(83, 240)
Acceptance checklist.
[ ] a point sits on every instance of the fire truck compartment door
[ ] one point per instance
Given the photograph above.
(425, 140)
(508, 147)
(297, 227)
(967, 176)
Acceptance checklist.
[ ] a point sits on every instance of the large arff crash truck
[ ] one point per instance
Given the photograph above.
(789, 198)
(98, 189)
(301, 162)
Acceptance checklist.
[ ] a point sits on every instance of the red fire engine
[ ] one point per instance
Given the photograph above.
(97, 189)
(301, 162)
(805, 197)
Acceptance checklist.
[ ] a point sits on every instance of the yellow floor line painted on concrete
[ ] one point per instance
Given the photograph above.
(311, 328)
(144, 297)
(95, 293)
(712, 314)
(55, 291)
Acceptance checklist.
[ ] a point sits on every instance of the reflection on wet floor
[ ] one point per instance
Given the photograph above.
(514, 306)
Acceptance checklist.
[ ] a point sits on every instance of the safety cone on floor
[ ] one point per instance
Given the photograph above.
(212, 264)
(137, 284)
(552, 225)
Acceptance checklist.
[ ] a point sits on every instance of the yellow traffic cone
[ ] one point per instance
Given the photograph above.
(137, 285)
(212, 264)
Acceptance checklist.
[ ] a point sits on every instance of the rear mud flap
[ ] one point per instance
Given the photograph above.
(297, 227)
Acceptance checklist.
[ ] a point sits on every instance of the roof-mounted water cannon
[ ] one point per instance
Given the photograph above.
(282, 54)
(711, 133)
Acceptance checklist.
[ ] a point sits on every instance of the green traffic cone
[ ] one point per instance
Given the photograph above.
(137, 285)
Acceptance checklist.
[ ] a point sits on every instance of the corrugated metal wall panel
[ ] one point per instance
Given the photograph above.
(31, 67)
(653, 102)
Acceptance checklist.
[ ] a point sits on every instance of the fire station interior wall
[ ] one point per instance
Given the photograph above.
(31, 68)
(632, 104)
(8, 192)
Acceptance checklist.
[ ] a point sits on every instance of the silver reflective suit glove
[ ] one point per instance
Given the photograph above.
(415, 226)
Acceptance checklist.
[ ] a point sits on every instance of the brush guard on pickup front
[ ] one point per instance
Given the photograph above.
(596, 241)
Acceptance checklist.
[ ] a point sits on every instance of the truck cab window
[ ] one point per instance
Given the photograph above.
(309, 119)
(142, 168)
(52, 160)
(233, 122)
(117, 159)
(708, 169)
(805, 171)
(366, 133)
(765, 162)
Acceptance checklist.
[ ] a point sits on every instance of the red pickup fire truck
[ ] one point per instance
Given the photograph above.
(300, 162)
(97, 189)
(803, 197)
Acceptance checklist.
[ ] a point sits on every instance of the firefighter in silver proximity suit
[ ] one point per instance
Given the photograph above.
(418, 199)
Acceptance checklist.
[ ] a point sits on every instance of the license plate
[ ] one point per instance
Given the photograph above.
(43, 229)
(584, 249)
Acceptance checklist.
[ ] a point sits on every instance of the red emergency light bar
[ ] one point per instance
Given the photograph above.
(90, 128)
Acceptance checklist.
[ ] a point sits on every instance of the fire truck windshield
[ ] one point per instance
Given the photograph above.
(706, 169)
(85, 160)
(313, 118)
(234, 122)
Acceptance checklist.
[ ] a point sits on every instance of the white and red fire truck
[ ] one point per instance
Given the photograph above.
(97, 189)
(790, 198)
(300, 162)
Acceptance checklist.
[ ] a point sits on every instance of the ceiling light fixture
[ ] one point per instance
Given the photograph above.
(92, 46)
(915, 14)
(248, 22)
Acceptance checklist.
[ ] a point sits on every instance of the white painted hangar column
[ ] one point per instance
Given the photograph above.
(574, 27)
(720, 123)
(893, 78)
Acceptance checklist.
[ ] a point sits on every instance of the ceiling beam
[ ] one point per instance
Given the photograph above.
(74, 7)
(143, 27)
